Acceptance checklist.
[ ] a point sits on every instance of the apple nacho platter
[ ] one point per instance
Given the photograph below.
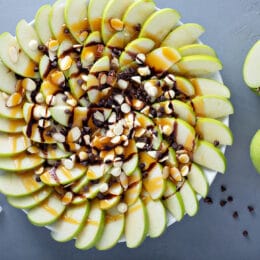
(113, 120)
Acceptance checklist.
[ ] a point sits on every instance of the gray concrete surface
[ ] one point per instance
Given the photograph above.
(231, 28)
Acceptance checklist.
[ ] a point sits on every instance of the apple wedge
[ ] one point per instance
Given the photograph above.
(13, 144)
(31, 200)
(184, 111)
(41, 24)
(184, 86)
(136, 225)
(53, 153)
(70, 223)
(9, 112)
(183, 35)
(97, 171)
(197, 49)
(162, 59)
(209, 87)
(19, 185)
(47, 212)
(109, 203)
(198, 180)
(159, 24)
(76, 18)
(113, 229)
(8, 79)
(93, 228)
(14, 58)
(101, 65)
(172, 159)
(207, 155)
(11, 126)
(79, 184)
(197, 65)
(254, 151)
(146, 160)
(190, 201)
(154, 183)
(28, 40)
(212, 106)
(212, 130)
(21, 162)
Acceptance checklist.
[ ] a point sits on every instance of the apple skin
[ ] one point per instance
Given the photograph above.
(255, 151)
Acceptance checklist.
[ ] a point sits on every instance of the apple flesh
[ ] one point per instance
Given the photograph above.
(8, 79)
(255, 151)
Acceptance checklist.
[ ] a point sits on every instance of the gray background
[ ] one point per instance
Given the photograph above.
(231, 28)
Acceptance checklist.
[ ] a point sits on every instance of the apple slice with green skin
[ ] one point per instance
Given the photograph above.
(93, 37)
(93, 228)
(75, 14)
(207, 155)
(53, 153)
(143, 120)
(146, 160)
(78, 185)
(183, 35)
(18, 61)
(140, 45)
(212, 106)
(13, 144)
(47, 212)
(162, 59)
(29, 109)
(154, 182)
(21, 162)
(165, 121)
(95, 172)
(184, 86)
(44, 66)
(28, 40)
(9, 112)
(131, 155)
(197, 65)
(173, 201)
(157, 217)
(159, 24)
(19, 184)
(41, 24)
(197, 49)
(212, 130)
(70, 223)
(61, 175)
(95, 13)
(114, 9)
(109, 203)
(113, 229)
(172, 160)
(250, 69)
(136, 225)
(198, 180)
(101, 65)
(11, 126)
(255, 150)
(8, 79)
(210, 87)
(190, 201)
(31, 200)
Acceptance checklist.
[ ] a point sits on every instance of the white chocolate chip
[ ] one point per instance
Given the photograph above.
(33, 45)
(122, 84)
(119, 99)
(83, 156)
(125, 108)
(140, 145)
(136, 79)
(13, 54)
(39, 98)
(103, 187)
(103, 79)
(140, 58)
(65, 63)
(150, 89)
(144, 71)
(86, 139)
(68, 164)
(116, 171)
(122, 207)
(59, 137)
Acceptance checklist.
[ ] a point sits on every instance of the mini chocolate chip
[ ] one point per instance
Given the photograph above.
(216, 143)
(235, 215)
(66, 30)
(54, 64)
(79, 65)
(80, 82)
(229, 198)
(153, 112)
(37, 179)
(138, 27)
(245, 233)
(36, 69)
(222, 203)
(208, 200)
(223, 188)
(141, 166)
(43, 48)
(250, 209)
(101, 196)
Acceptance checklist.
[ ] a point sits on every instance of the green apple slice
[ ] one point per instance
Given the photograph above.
(184, 86)
(18, 185)
(157, 217)
(93, 228)
(146, 159)
(183, 35)
(184, 111)
(213, 131)
(9, 112)
(114, 9)
(31, 200)
(251, 65)
(189, 199)
(13, 144)
(255, 150)
(154, 182)
(28, 40)
(197, 65)
(93, 38)
(97, 171)
(172, 160)
(212, 106)
(70, 223)
(44, 66)
(47, 212)
(162, 59)
(52, 153)
(8, 79)
(109, 203)
(173, 201)
(41, 23)
(79, 184)
(75, 88)
(95, 13)
(101, 65)
(130, 165)
(197, 49)
(207, 155)
(113, 229)
(11, 126)
(61, 175)
(143, 120)
(136, 226)
(198, 180)
(76, 18)
(21, 162)
(209, 87)
(159, 24)
(140, 45)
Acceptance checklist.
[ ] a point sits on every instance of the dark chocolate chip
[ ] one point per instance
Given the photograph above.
(141, 166)
(245, 233)
(223, 188)
(250, 209)
(37, 179)
(235, 215)
(222, 203)
(230, 199)
(208, 200)
(66, 30)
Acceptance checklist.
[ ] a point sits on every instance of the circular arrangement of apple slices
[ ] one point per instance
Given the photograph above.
(106, 117)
